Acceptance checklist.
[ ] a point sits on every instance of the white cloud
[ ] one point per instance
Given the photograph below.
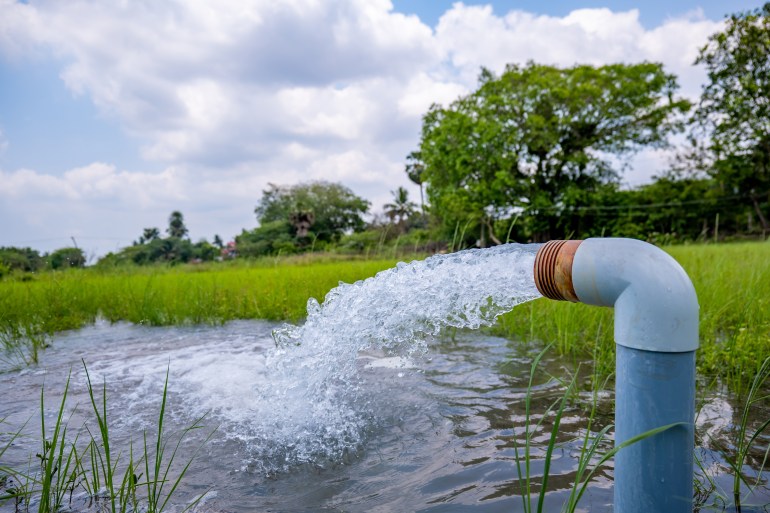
(95, 182)
(231, 95)
(472, 36)
(20, 28)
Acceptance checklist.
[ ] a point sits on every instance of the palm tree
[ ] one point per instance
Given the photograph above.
(401, 208)
(176, 227)
(415, 170)
(150, 234)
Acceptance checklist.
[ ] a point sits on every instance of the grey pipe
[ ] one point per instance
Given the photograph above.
(656, 335)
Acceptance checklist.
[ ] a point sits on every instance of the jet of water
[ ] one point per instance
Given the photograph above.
(310, 412)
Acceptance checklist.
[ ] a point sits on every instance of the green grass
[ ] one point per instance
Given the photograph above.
(64, 465)
(732, 282)
(590, 459)
(733, 286)
(273, 289)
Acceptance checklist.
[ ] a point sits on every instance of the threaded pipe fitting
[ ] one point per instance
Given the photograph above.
(553, 270)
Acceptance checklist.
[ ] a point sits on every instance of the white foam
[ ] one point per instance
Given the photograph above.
(313, 397)
(299, 400)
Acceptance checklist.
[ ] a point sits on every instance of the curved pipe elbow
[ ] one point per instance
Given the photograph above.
(656, 308)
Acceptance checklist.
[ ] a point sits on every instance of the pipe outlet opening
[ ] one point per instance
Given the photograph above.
(553, 270)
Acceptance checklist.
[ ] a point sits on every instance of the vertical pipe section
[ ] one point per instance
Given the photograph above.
(656, 335)
(654, 389)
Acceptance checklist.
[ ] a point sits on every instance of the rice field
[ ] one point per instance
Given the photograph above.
(732, 282)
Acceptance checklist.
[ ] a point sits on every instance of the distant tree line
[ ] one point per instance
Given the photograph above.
(14, 259)
(175, 248)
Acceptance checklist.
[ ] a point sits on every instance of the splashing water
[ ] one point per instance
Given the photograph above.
(312, 411)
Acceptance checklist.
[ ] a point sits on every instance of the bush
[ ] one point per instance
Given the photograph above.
(268, 239)
(66, 258)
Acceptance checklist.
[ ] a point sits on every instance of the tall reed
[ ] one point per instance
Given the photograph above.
(590, 457)
(65, 465)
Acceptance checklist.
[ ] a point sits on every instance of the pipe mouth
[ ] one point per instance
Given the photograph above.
(553, 270)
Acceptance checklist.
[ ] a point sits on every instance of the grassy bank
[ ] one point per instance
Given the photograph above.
(733, 286)
(732, 281)
(205, 294)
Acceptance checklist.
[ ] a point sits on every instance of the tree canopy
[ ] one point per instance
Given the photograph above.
(176, 226)
(735, 106)
(65, 258)
(325, 210)
(538, 139)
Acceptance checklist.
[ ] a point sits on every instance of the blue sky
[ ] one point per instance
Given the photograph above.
(651, 13)
(108, 126)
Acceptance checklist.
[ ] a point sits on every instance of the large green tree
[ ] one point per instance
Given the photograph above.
(735, 107)
(538, 140)
(322, 209)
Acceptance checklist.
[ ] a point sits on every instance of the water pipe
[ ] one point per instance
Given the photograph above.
(656, 335)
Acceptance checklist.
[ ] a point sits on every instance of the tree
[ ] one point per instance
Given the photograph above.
(268, 239)
(176, 227)
(536, 140)
(401, 209)
(149, 234)
(325, 210)
(21, 259)
(65, 258)
(734, 107)
(415, 170)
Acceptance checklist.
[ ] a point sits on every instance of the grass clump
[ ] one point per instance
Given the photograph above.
(591, 457)
(92, 471)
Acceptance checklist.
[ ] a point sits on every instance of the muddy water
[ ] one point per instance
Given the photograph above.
(435, 433)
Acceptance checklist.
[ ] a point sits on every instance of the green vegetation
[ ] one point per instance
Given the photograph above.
(734, 108)
(151, 248)
(302, 217)
(590, 459)
(28, 260)
(213, 293)
(732, 282)
(89, 464)
(530, 141)
(745, 440)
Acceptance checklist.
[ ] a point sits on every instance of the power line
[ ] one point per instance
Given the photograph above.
(643, 206)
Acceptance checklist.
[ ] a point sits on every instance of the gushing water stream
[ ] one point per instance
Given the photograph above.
(315, 411)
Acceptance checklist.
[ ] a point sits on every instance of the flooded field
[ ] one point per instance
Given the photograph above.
(436, 432)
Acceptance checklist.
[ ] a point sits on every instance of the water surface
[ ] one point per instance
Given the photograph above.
(438, 434)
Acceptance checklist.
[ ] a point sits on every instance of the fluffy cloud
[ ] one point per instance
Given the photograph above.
(472, 36)
(231, 95)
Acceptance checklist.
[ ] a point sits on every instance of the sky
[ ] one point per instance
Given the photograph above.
(114, 113)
